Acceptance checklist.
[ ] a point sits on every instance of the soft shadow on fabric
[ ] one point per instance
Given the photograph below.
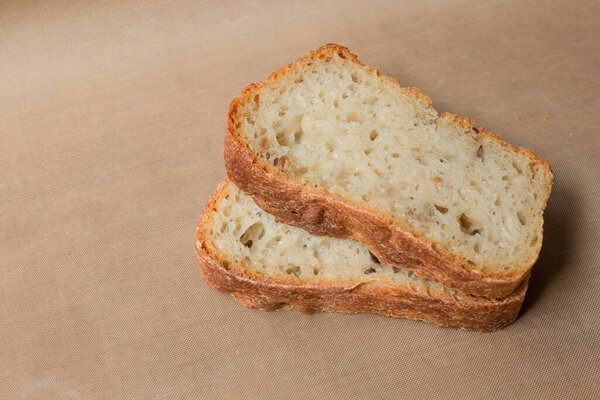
(561, 216)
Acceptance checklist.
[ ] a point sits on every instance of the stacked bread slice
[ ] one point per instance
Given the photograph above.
(347, 192)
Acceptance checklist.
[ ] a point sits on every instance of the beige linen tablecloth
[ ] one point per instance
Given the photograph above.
(111, 127)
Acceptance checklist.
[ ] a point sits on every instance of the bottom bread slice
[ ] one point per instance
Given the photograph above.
(267, 265)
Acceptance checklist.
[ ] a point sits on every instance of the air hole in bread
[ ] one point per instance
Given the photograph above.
(371, 270)
(521, 217)
(295, 270)
(395, 155)
(368, 151)
(281, 138)
(254, 232)
(373, 135)
(336, 103)
(467, 225)
(517, 167)
(298, 136)
(354, 78)
(374, 257)
(441, 209)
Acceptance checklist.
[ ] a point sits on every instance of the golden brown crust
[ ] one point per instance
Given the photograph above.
(257, 292)
(323, 213)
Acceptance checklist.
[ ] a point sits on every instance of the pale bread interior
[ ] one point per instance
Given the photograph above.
(244, 235)
(334, 124)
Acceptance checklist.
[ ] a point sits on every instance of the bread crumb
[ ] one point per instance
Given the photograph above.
(517, 118)
(546, 117)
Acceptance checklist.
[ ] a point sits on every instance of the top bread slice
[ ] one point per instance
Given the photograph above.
(330, 145)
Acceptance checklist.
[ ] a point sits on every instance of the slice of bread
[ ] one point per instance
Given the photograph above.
(268, 265)
(330, 145)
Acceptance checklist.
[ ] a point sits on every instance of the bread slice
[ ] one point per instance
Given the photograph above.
(330, 145)
(268, 265)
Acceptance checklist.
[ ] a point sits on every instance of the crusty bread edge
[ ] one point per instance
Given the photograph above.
(257, 292)
(324, 213)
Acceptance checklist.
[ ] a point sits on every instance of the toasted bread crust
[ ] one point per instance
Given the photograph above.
(257, 292)
(323, 213)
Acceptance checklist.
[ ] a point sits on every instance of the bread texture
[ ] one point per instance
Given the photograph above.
(330, 145)
(267, 265)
